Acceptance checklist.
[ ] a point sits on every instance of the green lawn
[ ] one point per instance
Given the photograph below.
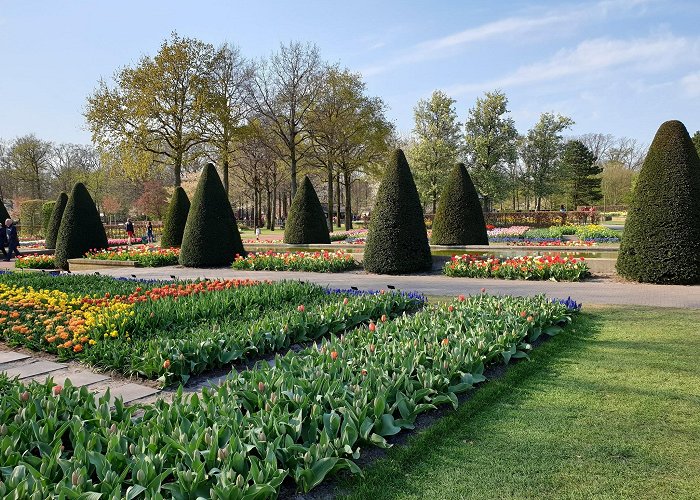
(610, 409)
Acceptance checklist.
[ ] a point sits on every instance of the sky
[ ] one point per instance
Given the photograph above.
(619, 67)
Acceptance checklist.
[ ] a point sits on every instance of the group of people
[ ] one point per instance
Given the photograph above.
(129, 228)
(9, 239)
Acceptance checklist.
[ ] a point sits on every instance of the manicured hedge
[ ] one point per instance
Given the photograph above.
(30, 218)
(459, 219)
(211, 237)
(661, 241)
(46, 211)
(55, 220)
(81, 228)
(175, 219)
(397, 241)
(4, 215)
(306, 222)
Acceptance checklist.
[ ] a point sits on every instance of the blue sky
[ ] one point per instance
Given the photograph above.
(615, 66)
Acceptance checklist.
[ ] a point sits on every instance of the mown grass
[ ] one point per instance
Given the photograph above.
(610, 409)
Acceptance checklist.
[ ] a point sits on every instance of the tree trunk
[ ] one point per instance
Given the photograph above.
(330, 199)
(337, 190)
(226, 176)
(269, 212)
(293, 166)
(348, 198)
(177, 169)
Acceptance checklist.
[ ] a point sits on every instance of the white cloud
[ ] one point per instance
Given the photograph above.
(594, 58)
(503, 28)
(691, 84)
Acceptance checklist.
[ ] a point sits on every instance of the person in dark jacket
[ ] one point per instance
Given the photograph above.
(12, 239)
(3, 239)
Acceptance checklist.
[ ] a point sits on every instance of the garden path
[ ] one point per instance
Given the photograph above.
(594, 291)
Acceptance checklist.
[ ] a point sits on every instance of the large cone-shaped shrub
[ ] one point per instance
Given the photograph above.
(459, 219)
(397, 241)
(55, 221)
(211, 237)
(81, 228)
(306, 222)
(4, 215)
(175, 219)
(661, 240)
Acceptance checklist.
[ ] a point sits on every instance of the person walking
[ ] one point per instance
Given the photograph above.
(129, 226)
(12, 239)
(149, 232)
(3, 239)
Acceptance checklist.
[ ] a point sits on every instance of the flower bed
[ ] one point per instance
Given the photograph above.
(345, 235)
(145, 256)
(319, 262)
(548, 242)
(35, 261)
(304, 418)
(530, 267)
(508, 232)
(171, 331)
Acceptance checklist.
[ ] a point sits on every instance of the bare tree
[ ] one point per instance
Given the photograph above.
(29, 159)
(283, 91)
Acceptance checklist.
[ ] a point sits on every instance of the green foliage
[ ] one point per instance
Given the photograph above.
(46, 211)
(54, 224)
(175, 219)
(30, 217)
(541, 153)
(459, 219)
(491, 139)
(211, 237)
(81, 228)
(661, 241)
(438, 144)
(306, 222)
(582, 175)
(397, 241)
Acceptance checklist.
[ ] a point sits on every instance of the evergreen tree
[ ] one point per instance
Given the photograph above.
(211, 237)
(582, 175)
(459, 219)
(397, 241)
(306, 223)
(81, 229)
(55, 221)
(175, 219)
(661, 241)
(4, 215)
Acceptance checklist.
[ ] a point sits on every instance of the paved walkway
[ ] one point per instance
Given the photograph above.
(28, 368)
(596, 291)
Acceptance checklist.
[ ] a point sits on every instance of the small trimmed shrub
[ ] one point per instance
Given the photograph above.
(211, 237)
(46, 211)
(397, 241)
(661, 240)
(459, 219)
(175, 219)
(55, 221)
(81, 229)
(306, 222)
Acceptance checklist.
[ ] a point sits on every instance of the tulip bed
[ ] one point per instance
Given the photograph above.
(171, 331)
(35, 261)
(319, 262)
(145, 255)
(302, 419)
(529, 267)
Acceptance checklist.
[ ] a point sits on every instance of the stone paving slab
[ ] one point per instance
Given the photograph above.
(129, 392)
(78, 379)
(9, 357)
(32, 369)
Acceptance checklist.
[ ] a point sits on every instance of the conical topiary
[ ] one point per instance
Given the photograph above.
(81, 229)
(459, 219)
(211, 237)
(55, 221)
(397, 241)
(4, 214)
(175, 219)
(306, 222)
(661, 239)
